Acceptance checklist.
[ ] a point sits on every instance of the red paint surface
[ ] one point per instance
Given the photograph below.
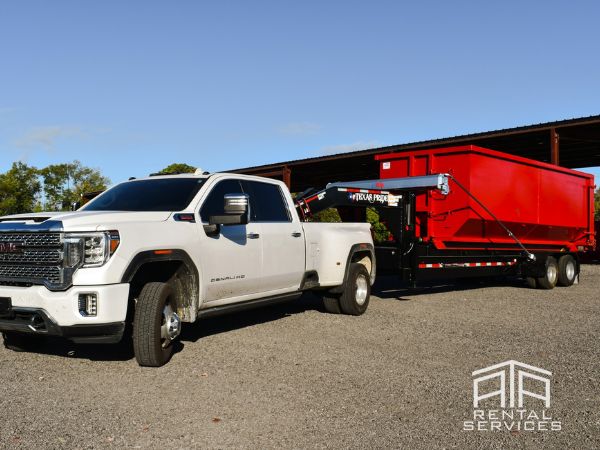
(545, 206)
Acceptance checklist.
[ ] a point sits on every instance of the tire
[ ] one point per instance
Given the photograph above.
(357, 291)
(155, 315)
(567, 270)
(332, 304)
(551, 278)
(531, 282)
(19, 342)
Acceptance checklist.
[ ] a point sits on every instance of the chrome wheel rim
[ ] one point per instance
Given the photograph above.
(570, 270)
(551, 273)
(362, 288)
(171, 326)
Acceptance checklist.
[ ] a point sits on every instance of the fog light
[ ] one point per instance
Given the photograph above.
(88, 304)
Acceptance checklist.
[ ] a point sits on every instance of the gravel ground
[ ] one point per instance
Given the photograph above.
(294, 376)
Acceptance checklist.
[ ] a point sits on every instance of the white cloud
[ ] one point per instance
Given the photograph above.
(45, 137)
(345, 148)
(300, 129)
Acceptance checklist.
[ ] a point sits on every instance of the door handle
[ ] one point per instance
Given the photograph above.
(253, 235)
(296, 234)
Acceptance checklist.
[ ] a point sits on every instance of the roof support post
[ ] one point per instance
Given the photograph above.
(287, 176)
(554, 147)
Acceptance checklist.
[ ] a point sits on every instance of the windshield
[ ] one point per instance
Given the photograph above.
(161, 194)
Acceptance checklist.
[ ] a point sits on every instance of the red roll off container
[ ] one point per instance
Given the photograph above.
(503, 215)
(547, 207)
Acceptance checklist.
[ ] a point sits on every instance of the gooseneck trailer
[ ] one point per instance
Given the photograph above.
(469, 211)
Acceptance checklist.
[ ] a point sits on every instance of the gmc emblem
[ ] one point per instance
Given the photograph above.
(10, 247)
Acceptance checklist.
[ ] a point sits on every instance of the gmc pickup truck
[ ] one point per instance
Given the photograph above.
(149, 254)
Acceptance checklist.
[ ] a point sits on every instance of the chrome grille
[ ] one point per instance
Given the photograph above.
(31, 273)
(33, 256)
(39, 239)
(37, 259)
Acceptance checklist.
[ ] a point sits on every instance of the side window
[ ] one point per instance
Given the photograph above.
(213, 204)
(266, 202)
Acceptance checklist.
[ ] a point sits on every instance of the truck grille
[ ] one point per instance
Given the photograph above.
(31, 258)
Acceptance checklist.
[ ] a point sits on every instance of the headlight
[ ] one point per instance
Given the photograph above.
(90, 249)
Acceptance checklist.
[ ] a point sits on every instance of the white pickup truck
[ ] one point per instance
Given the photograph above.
(149, 254)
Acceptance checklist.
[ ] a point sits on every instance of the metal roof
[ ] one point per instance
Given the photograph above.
(440, 141)
(579, 143)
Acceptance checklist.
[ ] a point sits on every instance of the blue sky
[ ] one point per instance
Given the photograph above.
(129, 87)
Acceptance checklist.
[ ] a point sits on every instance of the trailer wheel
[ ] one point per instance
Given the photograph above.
(357, 291)
(332, 304)
(551, 278)
(567, 270)
(155, 325)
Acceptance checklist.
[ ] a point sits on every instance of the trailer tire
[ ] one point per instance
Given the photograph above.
(18, 342)
(332, 304)
(531, 282)
(155, 325)
(549, 280)
(567, 270)
(357, 291)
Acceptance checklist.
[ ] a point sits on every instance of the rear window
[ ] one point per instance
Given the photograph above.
(161, 194)
(266, 202)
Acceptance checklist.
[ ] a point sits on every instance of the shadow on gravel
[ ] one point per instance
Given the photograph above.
(390, 287)
(190, 333)
(94, 352)
(386, 287)
(234, 321)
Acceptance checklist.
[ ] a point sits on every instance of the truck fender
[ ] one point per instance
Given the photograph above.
(167, 265)
(358, 252)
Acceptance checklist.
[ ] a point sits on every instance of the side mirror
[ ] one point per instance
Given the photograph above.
(236, 211)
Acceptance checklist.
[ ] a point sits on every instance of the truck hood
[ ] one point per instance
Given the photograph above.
(91, 220)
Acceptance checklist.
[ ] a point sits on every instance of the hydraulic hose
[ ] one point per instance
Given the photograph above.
(528, 254)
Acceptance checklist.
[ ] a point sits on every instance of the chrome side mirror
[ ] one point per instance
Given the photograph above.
(236, 211)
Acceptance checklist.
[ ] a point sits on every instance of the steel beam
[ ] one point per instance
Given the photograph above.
(554, 147)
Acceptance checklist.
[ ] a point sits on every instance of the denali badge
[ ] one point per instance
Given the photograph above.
(10, 247)
(227, 278)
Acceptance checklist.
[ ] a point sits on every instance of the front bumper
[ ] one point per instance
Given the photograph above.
(36, 310)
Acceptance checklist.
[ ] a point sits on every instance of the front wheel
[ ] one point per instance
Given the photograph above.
(155, 325)
(357, 291)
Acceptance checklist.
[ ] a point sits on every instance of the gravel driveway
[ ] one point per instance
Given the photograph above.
(294, 376)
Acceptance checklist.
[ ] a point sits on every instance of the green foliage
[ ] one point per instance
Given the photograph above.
(327, 215)
(178, 168)
(65, 183)
(380, 231)
(19, 189)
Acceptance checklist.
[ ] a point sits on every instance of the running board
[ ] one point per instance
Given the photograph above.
(251, 304)
(438, 181)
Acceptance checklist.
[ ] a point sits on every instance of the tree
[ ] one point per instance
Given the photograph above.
(65, 183)
(380, 231)
(19, 189)
(327, 215)
(178, 168)
(597, 204)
